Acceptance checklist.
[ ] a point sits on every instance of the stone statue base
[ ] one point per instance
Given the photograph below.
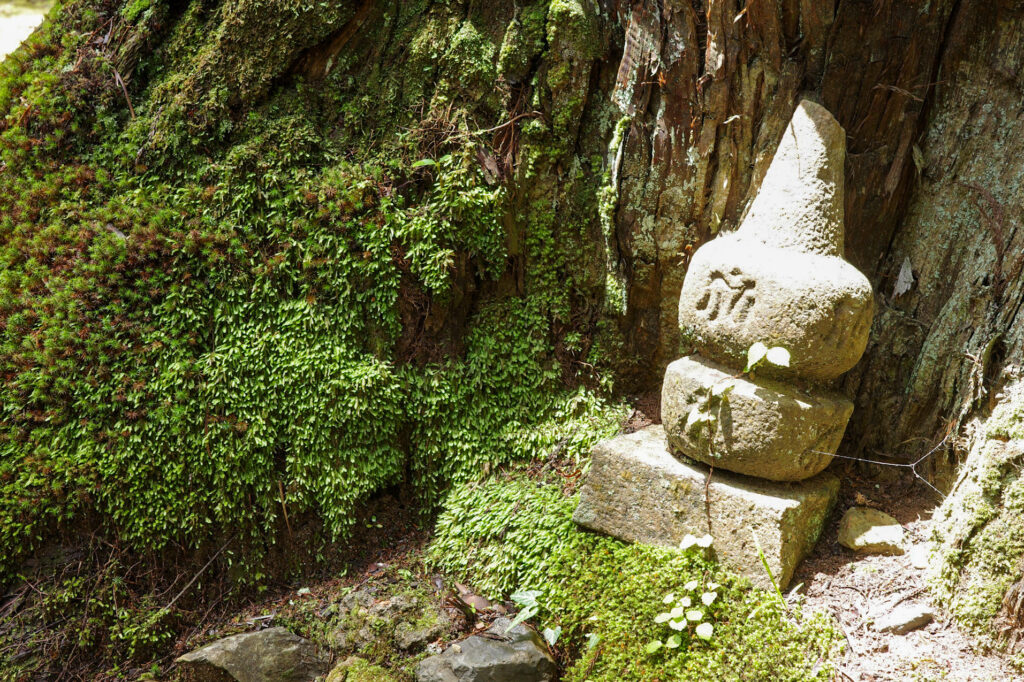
(638, 491)
(764, 428)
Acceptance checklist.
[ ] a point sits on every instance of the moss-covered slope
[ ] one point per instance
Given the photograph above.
(262, 259)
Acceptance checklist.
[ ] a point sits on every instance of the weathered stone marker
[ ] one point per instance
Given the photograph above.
(780, 280)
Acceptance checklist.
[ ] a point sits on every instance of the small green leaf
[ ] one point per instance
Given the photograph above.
(424, 162)
(652, 647)
(778, 356)
(673, 642)
(551, 635)
(755, 354)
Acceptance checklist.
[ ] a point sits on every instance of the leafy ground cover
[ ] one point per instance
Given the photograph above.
(605, 598)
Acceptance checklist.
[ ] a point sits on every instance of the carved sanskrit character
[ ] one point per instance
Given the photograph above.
(732, 292)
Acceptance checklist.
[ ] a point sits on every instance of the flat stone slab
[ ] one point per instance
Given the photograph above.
(273, 655)
(638, 491)
(505, 655)
(870, 531)
(763, 428)
(906, 618)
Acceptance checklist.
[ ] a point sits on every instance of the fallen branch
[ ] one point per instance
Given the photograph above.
(196, 576)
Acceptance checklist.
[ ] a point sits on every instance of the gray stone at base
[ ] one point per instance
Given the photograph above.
(870, 531)
(906, 618)
(518, 655)
(764, 428)
(272, 655)
(637, 491)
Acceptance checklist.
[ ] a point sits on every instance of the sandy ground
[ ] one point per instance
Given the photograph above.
(857, 589)
(17, 21)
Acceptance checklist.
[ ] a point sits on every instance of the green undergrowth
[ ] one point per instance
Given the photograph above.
(232, 296)
(260, 261)
(514, 532)
(979, 540)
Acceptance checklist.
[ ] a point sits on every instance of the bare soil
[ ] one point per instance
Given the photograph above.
(857, 589)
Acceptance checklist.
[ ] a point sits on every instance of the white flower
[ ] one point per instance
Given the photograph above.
(689, 540)
(705, 630)
(695, 615)
(662, 617)
(712, 586)
(686, 602)
(669, 598)
(704, 541)
(677, 624)
(690, 586)
(676, 612)
(708, 598)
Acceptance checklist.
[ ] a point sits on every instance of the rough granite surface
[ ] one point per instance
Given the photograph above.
(638, 491)
(763, 428)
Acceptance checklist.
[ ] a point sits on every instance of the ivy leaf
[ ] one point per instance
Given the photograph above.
(652, 647)
(673, 642)
(551, 635)
(424, 162)
(755, 354)
(778, 356)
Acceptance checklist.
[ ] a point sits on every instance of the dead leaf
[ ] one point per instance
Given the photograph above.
(904, 280)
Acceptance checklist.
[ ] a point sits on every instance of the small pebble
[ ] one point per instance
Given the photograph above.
(904, 619)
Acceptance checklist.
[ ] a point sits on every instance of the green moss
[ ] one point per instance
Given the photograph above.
(359, 670)
(613, 592)
(514, 532)
(524, 41)
(979, 541)
(227, 294)
(1007, 419)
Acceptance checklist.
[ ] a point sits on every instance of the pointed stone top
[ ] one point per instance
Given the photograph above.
(800, 202)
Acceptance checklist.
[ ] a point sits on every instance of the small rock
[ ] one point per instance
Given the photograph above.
(905, 618)
(272, 655)
(919, 556)
(392, 609)
(870, 531)
(409, 637)
(360, 598)
(412, 620)
(518, 656)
